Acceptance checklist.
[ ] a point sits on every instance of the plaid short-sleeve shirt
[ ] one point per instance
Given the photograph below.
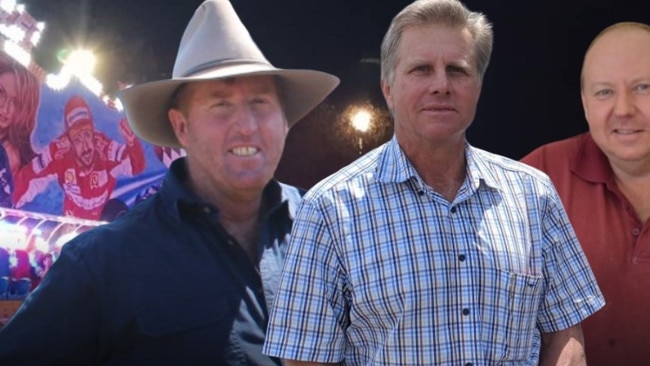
(382, 270)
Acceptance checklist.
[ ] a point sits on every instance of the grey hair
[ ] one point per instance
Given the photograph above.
(428, 12)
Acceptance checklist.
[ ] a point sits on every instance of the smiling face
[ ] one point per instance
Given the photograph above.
(435, 88)
(8, 100)
(233, 131)
(82, 139)
(616, 94)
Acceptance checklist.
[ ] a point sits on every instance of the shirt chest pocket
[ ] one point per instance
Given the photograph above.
(190, 319)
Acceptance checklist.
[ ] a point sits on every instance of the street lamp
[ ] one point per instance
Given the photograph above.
(361, 121)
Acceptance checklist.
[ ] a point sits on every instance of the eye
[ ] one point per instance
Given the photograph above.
(221, 103)
(421, 69)
(260, 100)
(643, 87)
(603, 93)
(456, 69)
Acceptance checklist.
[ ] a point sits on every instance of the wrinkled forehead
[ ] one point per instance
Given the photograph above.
(256, 84)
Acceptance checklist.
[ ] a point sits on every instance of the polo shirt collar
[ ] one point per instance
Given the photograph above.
(590, 163)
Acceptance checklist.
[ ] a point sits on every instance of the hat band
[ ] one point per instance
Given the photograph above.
(223, 63)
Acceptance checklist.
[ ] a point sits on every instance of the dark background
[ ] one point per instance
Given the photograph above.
(530, 95)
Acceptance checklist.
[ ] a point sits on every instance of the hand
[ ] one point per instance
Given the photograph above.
(59, 147)
(126, 131)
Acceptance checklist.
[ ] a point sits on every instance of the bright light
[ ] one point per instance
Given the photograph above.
(36, 37)
(361, 120)
(58, 81)
(17, 53)
(80, 62)
(8, 5)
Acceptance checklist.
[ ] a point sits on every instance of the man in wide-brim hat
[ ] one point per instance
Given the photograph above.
(187, 276)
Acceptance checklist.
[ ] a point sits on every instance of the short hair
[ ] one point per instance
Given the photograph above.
(615, 26)
(446, 12)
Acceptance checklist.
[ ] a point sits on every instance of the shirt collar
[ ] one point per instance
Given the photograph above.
(395, 167)
(590, 163)
(178, 198)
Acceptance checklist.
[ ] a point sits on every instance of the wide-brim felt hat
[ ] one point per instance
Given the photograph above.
(217, 45)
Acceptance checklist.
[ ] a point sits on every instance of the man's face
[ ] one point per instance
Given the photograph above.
(8, 99)
(616, 95)
(82, 139)
(436, 87)
(233, 131)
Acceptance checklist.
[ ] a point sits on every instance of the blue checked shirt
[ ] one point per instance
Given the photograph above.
(382, 270)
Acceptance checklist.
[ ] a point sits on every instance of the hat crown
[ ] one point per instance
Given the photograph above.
(215, 36)
(76, 111)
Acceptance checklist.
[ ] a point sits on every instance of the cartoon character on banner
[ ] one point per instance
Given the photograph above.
(86, 163)
(19, 102)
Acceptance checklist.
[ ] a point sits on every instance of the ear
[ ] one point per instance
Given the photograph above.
(584, 104)
(385, 89)
(179, 124)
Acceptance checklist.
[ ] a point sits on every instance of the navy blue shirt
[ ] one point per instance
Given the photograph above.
(162, 285)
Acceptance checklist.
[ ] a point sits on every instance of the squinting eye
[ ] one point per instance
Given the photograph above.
(643, 87)
(422, 68)
(455, 69)
(603, 93)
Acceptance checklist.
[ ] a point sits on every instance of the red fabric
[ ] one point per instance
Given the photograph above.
(616, 244)
(86, 189)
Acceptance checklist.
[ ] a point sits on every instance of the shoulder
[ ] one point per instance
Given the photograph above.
(357, 175)
(556, 152)
(510, 176)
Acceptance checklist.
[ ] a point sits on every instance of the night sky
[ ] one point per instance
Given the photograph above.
(530, 94)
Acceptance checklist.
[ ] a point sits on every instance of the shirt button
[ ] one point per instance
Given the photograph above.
(461, 257)
(635, 232)
(453, 209)
(206, 209)
(465, 311)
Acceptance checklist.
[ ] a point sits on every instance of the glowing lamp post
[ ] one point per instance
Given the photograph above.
(361, 120)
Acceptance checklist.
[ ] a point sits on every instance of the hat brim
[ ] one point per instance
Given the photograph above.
(146, 105)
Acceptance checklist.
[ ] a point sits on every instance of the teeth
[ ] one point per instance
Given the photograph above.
(244, 151)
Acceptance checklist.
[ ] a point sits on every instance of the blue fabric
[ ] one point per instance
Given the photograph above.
(163, 285)
(6, 180)
(382, 270)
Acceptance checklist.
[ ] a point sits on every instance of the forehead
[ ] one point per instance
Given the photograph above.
(259, 84)
(436, 40)
(619, 50)
(81, 129)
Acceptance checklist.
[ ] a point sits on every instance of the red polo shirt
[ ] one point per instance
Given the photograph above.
(616, 243)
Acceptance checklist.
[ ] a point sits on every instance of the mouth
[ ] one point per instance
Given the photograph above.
(438, 108)
(626, 131)
(244, 151)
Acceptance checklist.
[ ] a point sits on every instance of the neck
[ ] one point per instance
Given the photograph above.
(441, 167)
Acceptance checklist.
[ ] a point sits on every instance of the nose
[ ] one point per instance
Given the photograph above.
(246, 121)
(439, 83)
(624, 104)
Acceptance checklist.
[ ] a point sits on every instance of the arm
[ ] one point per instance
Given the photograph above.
(563, 348)
(34, 177)
(58, 322)
(134, 150)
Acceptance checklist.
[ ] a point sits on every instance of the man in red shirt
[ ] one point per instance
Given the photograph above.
(603, 178)
(85, 162)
